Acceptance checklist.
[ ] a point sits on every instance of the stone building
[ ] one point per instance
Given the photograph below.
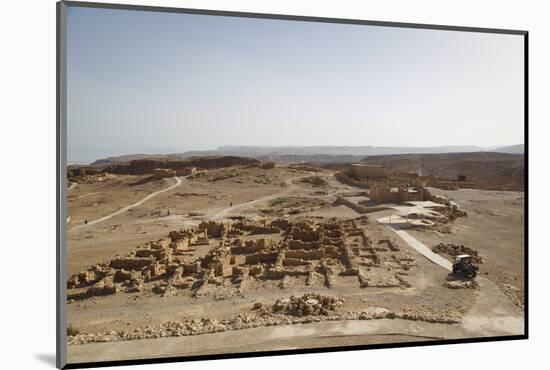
(382, 193)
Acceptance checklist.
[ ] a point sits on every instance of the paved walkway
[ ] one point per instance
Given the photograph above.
(313, 335)
(417, 245)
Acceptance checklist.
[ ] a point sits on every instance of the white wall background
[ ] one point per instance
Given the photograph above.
(27, 180)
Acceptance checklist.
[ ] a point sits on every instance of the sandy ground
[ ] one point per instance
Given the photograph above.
(494, 227)
(105, 194)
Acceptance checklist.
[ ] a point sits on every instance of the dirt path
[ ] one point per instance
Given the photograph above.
(219, 213)
(124, 209)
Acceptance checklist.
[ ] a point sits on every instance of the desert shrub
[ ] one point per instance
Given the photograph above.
(72, 331)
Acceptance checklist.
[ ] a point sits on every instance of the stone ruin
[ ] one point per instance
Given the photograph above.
(166, 257)
(214, 229)
(452, 210)
(286, 311)
(306, 251)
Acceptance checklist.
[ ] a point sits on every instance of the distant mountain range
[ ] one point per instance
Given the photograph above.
(317, 154)
(512, 149)
(363, 151)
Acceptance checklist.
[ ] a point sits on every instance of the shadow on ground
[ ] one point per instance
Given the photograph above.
(47, 358)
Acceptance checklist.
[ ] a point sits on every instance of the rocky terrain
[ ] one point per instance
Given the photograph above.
(482, 170)
(241, 245)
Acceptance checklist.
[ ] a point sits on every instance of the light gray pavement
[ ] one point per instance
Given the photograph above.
(416, 244)
(313, 335)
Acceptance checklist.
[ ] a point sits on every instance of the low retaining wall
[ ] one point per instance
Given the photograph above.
(356, 207)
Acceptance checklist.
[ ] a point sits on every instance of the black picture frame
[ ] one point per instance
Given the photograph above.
(61, 174)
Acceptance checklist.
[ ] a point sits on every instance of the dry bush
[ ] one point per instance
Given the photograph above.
(72, 331)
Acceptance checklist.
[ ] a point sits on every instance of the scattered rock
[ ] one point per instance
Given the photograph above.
(308, 304)
(461, 284)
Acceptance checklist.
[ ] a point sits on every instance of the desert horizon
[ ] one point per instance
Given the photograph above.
(329, 150)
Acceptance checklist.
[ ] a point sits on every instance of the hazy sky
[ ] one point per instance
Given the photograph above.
(145, 82)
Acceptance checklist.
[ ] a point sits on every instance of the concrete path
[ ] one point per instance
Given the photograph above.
(493, 313)
(266, 339)
(312, 335)
(136, 204)
(417, 245)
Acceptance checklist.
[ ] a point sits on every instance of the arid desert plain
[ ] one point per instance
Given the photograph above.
(226, 254)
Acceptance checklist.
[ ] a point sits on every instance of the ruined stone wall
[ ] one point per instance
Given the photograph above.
(129, 263)
(382, 193)
(147, 166)
(305, 235)
(315, 254)
(256, 258)
(264, 230)
(161, 173)
(298, 244)
(215, 229)
(281, 224)
(249, 246)
(356, 207)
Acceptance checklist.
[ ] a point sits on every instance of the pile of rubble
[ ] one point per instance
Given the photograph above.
(514, 294)
(454, 250)
(308, 304)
